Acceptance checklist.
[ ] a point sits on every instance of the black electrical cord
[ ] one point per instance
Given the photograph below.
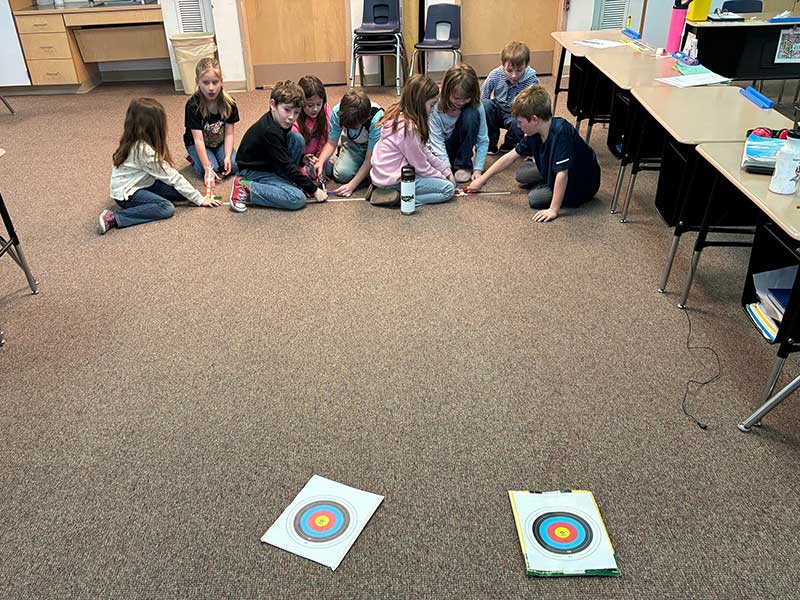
(700, 384)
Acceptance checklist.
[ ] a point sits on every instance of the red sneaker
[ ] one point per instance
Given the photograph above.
(107, 221)
(240, 195)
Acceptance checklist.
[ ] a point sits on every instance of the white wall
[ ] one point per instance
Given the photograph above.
(229, 39)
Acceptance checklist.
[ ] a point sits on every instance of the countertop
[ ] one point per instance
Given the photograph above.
(83, 8)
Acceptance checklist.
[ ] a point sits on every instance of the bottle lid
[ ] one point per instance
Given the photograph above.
(408, 172)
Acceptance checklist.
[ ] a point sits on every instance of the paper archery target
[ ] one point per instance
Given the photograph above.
(564, 533)
(321, 521)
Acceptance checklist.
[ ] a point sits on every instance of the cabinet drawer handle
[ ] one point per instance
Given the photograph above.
(47, 47)
(40, 24)
(56, 74)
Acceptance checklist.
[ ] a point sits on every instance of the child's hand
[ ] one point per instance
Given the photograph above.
(309, 160)
(226, 169)
(543, 216)
(319, 167)
(345, 190)
(476, 175)
(475, 185)
(211, 201)
(320, 195)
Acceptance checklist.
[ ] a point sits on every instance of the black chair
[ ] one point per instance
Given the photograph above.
(743, 6)
(380, 34)
(438, 15)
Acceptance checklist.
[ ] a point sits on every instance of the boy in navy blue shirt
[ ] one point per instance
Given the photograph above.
(566, 172)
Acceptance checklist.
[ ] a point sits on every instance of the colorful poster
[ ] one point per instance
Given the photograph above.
(788, 46)
(323, 521)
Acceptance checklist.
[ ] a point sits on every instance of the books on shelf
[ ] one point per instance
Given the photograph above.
(773, 289)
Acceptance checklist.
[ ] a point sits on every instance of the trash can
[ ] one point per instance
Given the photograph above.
(189, 49)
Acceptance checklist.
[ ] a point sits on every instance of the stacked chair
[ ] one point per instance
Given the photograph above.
(380, 34)
(448, 18)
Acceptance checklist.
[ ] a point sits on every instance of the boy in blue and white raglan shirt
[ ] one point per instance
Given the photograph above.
(499, 90)
(355, 121)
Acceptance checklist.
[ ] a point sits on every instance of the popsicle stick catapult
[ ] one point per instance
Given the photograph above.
(462, 192)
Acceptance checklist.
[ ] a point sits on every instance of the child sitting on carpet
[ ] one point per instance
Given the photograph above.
(404, 137)
(144, 182)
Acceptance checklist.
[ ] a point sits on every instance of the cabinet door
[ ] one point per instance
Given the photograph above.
(289, 39)
(528, 22)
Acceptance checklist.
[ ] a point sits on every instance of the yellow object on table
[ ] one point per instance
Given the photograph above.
(698, 10)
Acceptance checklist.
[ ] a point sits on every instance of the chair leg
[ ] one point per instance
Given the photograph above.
(353, 63)
(797, 92)
(361, 69)
(8, 106)
(413, 58)
(455, 58)
(783, 88)
(397, 73)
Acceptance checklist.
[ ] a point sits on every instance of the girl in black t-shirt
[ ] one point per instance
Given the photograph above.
(210, 117)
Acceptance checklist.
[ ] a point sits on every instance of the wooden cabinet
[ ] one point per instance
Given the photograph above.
(51, 52)
(40, 24)
(50, 40)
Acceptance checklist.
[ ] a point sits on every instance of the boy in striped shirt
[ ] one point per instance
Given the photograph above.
(499, 90)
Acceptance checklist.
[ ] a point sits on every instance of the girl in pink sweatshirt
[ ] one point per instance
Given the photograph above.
(313, 122)
(404, 138)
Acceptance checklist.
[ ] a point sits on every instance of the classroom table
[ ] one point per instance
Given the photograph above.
(578, 74)
(776, 244)
(742, 49)
(13, 248)
(692, 116)
(625, 71)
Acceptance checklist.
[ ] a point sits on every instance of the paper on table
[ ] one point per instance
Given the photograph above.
(683, 81)
(595, 43)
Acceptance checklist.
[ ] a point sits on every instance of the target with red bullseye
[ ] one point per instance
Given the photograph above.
(562, 532)
(321, 521)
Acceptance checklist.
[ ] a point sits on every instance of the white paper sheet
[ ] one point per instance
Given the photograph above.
(684, 81)
(595, 43)
(323, 521)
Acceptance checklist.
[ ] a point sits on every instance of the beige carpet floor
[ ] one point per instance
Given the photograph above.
(174, 386)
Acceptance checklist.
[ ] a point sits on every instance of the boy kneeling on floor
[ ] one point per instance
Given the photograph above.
(566, 172)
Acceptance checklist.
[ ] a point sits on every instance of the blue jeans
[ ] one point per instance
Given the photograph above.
(461, 143)
(148, 204)
(496, 119)
(349, 161)
(430, 190)
(272, 190)
(216, 156)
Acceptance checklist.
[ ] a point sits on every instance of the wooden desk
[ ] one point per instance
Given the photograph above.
(567, 39)
(775, 245)
(63, 44)
(743, 49)
(625, 71)
(691, 116)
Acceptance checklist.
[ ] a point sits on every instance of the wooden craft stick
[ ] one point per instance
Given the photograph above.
(460, 192)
